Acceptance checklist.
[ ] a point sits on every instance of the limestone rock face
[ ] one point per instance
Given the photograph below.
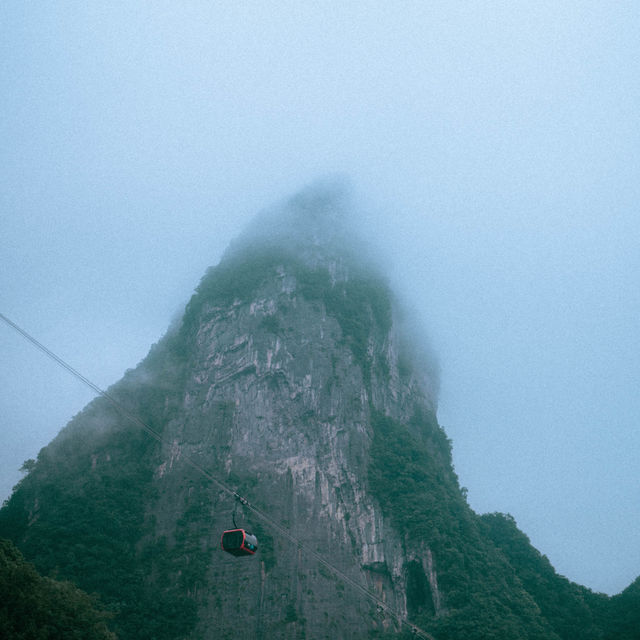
(278, 397)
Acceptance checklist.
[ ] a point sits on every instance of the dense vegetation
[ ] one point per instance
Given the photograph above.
(79, 515)
(624, 615)
(572, 610)
(482, 597)
(33, 607)
(494, 583)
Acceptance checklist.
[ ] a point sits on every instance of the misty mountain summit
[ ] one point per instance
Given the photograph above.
(316, 225)
(290, 381)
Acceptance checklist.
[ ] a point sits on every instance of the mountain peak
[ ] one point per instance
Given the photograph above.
(291, 383)
(316, 224)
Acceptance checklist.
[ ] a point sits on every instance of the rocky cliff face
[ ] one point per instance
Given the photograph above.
(289, 380)
(284, 371)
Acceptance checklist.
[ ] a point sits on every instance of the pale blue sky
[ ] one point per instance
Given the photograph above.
(494, 147)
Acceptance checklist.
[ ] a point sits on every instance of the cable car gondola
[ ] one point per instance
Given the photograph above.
(239, 542)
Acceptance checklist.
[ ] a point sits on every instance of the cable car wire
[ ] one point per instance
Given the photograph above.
(285, 533)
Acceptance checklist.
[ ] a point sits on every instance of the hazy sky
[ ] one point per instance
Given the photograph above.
(494, 147)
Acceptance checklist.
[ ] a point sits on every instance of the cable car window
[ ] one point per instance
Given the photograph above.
(238, 542)
(233, 539)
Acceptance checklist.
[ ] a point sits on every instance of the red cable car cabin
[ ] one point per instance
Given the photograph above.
(239, 542)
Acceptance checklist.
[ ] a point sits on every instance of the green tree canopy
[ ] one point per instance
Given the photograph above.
(33, 607)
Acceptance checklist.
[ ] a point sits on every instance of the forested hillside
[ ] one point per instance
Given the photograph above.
(33, 607)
